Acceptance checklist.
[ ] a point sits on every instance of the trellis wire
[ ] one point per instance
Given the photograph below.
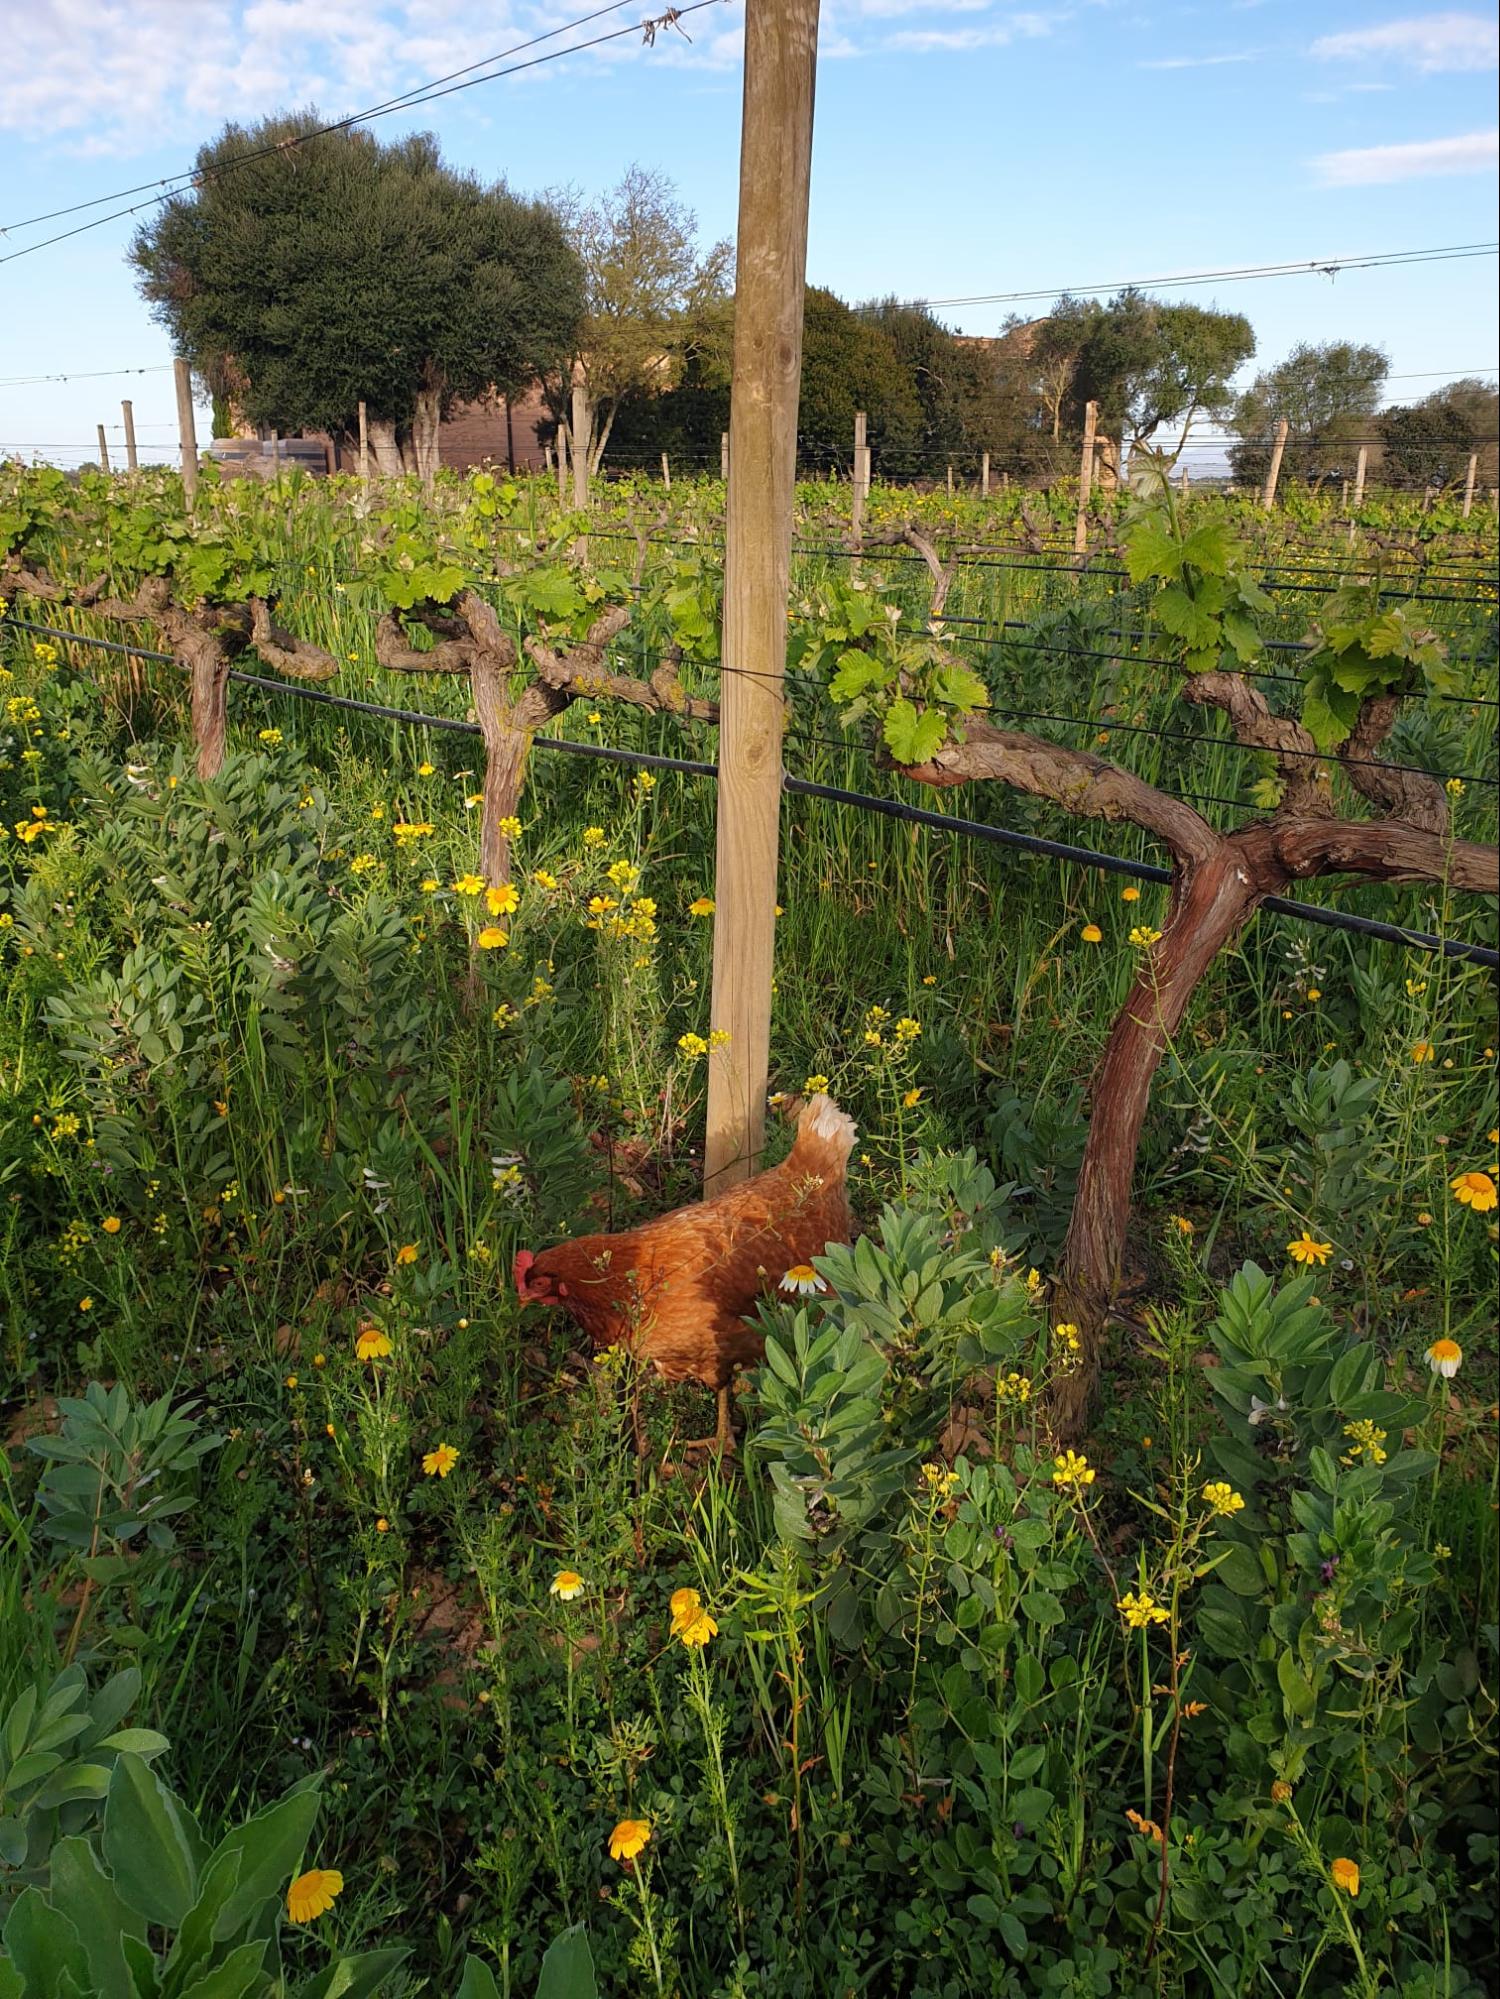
(889, 808)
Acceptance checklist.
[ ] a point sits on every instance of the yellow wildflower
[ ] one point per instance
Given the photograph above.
(438, 1463)
(628, 1839)
(313, 1894)
(1308, 1250)
(372, 1344)
(1345, 1875)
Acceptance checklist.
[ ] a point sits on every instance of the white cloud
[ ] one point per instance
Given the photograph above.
(1197, 62)
(996, 34)
(1376, 166)
(1427, 43)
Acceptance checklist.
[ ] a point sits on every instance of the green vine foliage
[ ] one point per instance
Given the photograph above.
(1363, 648)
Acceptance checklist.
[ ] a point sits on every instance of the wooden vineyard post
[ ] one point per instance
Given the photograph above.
(1182, 481)
(781, 60)
(984, 476)
(1470, 477)
(364, 447)
(103, 448)
(1268, 497)
(581, 437)
(666, 472)
(562, 464)
(187, 430)
(857, 483)
(950, 478)
(127, 412)
(724, 456)
(1085, 477)
(1360, 463)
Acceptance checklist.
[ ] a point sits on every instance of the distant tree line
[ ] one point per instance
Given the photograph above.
(306, 271)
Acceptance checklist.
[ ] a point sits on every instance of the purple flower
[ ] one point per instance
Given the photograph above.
(1329, 1568)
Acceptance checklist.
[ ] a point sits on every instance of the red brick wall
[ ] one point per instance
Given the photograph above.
(475, 432)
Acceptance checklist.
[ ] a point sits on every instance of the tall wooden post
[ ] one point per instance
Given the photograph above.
(187, 429)
(781, 61)
(127, 411)
(1268, 497)
(666, 472)
(563, 441)
(582, 437)
(1085, 477)
(857, 484)
(103, 448)
(1359, 473)
(724, 454)
(1472, 475)
(950, 478)
(984, 476)
(364, 447)
(1182, 480)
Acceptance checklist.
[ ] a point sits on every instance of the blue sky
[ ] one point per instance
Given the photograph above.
(962, 147)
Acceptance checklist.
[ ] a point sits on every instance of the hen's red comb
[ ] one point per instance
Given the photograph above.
(524, 1260)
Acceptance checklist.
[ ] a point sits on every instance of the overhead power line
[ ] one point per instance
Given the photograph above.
(426, 93)
(1328, 267)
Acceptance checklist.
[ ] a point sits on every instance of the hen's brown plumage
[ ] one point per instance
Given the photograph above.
(677, 1289)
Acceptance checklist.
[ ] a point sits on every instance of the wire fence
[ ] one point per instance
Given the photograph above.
(889, 808)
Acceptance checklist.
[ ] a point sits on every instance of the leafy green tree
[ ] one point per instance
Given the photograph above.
(301, 279)
(1150, 365)
(652, 303)
(850, 364)
(1429, 443)
(1328, 395)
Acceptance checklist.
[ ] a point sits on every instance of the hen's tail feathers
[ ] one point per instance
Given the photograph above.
(821, 1125)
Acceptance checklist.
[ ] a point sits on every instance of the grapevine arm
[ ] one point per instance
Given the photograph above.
(1408, 795)
(1080, 783)
(294, 657)
(1305, 787)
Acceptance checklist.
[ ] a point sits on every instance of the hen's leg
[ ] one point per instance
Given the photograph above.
(722, 1439)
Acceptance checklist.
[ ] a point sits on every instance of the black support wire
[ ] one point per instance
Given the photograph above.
(889, 808)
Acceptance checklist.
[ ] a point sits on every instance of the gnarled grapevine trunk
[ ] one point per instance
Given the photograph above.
(1211, 902)
(386, 447)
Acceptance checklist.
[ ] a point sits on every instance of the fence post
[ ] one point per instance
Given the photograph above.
(1268, 497)
(1085, 477)
(1473, 474)
(666, 472)
(857, 483)
(581, 434)
(104, 465)
(364, 447)
(187, 430)
(127, 411)
(724, 454)
(563, 442)
(1182, 480)
(950, 477)
(781, 60)
(984, 476)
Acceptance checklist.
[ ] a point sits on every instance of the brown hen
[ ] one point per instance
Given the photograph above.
(677, 1289)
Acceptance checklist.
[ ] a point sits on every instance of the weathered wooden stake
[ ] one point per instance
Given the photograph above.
(187, 430)
(724, 455)
(563, 443)
(857, 483)
(1182, 481)
(582, 435)
(1472, 475)
(364, 447)
(1359, 473)
(127, 411)
(950, 478)
(1085, 477)
(984, 476)
(666, 472)
(1268, 497)
(103, 448)
(781, 60)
